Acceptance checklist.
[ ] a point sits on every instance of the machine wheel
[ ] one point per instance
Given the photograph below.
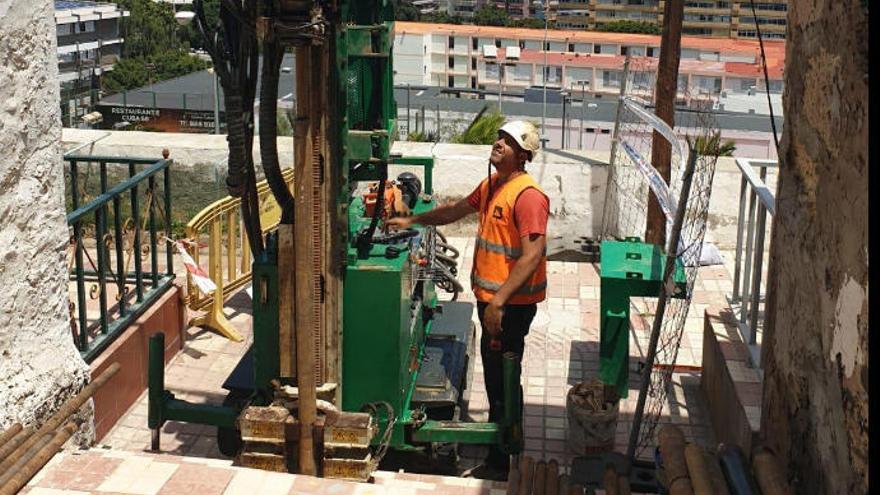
(229, 439)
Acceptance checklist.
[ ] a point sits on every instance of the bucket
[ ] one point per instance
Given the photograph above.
(592, 418)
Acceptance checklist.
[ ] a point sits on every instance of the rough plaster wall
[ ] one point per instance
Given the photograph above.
(815, 350)
(39, 365)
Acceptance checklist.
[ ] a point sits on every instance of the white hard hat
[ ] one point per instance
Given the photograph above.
(525, 134)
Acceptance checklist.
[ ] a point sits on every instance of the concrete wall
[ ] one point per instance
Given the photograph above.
(816, 342)
(39, 368)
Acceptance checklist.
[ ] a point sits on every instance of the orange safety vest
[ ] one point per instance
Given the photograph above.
(499, 245)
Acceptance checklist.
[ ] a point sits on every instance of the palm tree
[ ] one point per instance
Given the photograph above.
(483, 129)
(712, 145)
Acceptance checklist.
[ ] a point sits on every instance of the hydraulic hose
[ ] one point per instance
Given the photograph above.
(232, 45)
(365, 238)
(272, 56)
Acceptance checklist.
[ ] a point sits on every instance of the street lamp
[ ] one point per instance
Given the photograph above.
(545, 7)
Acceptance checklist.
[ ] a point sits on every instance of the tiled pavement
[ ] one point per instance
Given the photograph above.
(561, 350)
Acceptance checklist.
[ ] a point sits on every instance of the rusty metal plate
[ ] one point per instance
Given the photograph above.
(266, 423)
(348, 469)
(266, 462)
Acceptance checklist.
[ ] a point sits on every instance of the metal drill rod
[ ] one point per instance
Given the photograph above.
(9, 433)
(668, 284)
(20, 478)
(69, 408)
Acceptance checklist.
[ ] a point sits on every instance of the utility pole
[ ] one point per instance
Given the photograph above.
(544, 78)
(408, 130)
(564, 100)
(664, 103)
(583, 104)
(616, 133)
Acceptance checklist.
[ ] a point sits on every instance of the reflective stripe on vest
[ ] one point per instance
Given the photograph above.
(498, 245)
(492, 286)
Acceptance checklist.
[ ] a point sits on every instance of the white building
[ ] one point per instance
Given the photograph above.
(471, 57)
(89, 44)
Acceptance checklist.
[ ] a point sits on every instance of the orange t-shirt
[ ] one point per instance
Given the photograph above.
(530, 212)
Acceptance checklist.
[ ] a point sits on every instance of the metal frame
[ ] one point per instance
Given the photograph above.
(747, 280)
(98, 206)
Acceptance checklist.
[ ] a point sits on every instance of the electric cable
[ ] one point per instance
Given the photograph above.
(385, 439)
(766, 80)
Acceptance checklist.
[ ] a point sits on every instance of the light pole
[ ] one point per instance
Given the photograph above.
(544, 78)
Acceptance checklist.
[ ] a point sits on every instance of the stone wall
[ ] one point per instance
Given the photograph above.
(815, 347)
(40, 367)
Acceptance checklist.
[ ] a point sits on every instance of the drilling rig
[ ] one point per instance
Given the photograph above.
(353, 353)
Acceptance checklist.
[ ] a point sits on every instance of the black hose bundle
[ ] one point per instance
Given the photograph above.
(273, 53)
(232, 45)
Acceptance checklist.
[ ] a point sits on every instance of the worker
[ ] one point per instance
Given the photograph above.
(509, 264)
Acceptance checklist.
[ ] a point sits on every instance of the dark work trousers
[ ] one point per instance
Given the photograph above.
(514, 327)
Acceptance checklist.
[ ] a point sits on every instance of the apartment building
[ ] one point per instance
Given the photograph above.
(89, 44)
(510, 60)
(718, 18)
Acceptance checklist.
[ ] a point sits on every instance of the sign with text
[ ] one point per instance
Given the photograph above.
(159, 119)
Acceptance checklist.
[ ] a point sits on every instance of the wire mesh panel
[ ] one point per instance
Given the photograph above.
(631, 178)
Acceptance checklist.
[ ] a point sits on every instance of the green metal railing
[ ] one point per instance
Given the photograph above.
(114, 248)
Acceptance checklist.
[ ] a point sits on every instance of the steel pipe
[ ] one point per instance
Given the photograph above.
(698, 470)
(9, 433)
(20, 461)
(672, 447)
(37, 461)
(70, 407)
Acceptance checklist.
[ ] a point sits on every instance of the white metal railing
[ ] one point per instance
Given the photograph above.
(750, 251)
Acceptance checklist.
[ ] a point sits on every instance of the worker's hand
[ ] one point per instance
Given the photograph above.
(398, 223)
(492, 318)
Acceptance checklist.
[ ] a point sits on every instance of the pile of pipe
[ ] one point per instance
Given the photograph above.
(688, 469)
(25, 450)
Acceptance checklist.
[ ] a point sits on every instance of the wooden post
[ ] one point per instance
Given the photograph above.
(307, 130)
(664, 101)
(286, 295)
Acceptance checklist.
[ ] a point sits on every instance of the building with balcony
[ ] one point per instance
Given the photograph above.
(89, 44)
(717, 18)
(471, 57)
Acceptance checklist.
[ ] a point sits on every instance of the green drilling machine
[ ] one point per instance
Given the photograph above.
(353, 355)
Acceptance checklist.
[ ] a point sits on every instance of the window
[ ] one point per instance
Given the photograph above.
(473, 63)
(475, 43)
(522, 45)
(611, 78)
(64, 29)
(623, 50)
(571, 47)
(450, 81)
(597, 49)
(497, 43)
(451, 62)
(451, 42)
(650, 51)
(473, 83)
(547, 46)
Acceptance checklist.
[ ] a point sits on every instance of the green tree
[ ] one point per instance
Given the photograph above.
(132, 73)
(191, 35)
(441, 18)
(483, 129)
(491, 15)
(628, 26)
(150, 28)
(530, 23)
(712, 145)
(404, 10)
(421, 137)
